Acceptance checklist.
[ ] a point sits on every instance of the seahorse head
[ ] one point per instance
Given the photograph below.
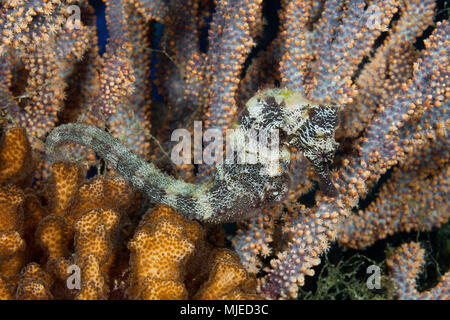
(306, 125)
(311, 127)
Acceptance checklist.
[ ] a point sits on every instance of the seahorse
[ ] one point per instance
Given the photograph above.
(238, 190)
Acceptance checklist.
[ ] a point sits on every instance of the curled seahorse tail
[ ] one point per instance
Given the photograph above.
(145, 177)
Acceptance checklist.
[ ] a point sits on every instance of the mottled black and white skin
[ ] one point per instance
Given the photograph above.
(237, 191)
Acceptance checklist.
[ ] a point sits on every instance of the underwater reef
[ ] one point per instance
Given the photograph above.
(93, 207)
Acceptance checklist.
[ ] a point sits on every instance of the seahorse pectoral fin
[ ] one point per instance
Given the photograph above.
(326, 182)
